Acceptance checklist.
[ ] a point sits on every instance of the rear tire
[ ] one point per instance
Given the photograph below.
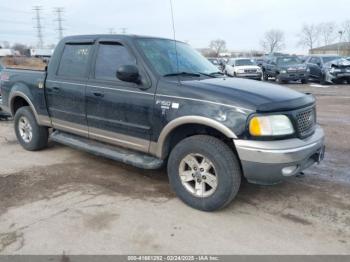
(29, 134)
(207, 190)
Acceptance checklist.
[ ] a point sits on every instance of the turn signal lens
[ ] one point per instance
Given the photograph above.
(254, 127)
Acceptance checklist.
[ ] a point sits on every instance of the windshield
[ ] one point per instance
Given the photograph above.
(161, 53)
(288, 61)
(329, 58)
(214, 61)
(245, 62)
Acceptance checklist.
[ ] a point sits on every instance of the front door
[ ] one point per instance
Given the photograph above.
(118, 112)
(65, 91)
(315, 67)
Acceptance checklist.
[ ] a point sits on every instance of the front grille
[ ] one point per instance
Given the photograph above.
(250, 71)
(306, 122)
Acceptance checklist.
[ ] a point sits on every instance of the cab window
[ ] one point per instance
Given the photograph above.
(74, 60)
(109, 58)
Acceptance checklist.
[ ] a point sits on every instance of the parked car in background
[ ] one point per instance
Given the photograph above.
(131, 99)
(259, 61)
(285, 69)
(303, 58)
(243, 67)
(321, 68)
(216, 62)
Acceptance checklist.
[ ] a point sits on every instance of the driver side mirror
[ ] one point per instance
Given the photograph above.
(129, 73)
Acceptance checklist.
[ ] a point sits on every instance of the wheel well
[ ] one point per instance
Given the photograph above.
(187, 130)
(17, 103)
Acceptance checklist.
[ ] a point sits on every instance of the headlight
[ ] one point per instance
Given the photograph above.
(283, 71)
(274, 125)
(334, 70)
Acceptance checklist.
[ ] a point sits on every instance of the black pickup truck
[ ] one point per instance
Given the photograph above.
(285, 68)
(150, 102)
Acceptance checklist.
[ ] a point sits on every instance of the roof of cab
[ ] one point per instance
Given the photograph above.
(88, 38)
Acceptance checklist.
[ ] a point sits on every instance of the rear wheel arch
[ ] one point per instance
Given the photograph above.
(18, 100)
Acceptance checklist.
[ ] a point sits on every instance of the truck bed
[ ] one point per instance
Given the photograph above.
(26, 81)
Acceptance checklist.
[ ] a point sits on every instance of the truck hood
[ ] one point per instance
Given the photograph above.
(254, 95)
(338, 63)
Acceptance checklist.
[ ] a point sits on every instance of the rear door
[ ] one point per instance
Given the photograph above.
(65, 90)
(118, 112)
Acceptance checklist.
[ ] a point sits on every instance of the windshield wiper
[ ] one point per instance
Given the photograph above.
(217, 73)
(183, 74)
(212, 74)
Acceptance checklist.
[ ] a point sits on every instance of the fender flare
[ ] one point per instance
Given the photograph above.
(158, 147)
(40, 120)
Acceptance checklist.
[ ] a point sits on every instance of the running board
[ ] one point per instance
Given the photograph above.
(119, 154)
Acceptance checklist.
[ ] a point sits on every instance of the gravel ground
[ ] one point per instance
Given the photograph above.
(62, 200)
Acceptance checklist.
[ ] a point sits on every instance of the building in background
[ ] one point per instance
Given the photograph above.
(40, 52)
(343, 49)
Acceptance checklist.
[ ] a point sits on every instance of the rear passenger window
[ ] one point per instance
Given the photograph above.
(109, 58)
(74, 60)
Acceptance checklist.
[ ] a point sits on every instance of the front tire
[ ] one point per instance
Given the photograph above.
(204, 172)
(265, 77)
(280, 81)
(304, 81)
(29, 134)
(323, 80)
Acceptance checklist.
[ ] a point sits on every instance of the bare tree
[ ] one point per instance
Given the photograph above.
(21, 48)
(309, 36)
(5, 44)
(273, 41)
(327, 32)
(346, 29)
(218, 46)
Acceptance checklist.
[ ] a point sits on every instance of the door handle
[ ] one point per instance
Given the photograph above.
(98, 94)
(53, 90)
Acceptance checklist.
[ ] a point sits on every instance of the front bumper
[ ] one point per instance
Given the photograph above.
(249, 75)
(294, 76)
(269, 162)
(337, 76)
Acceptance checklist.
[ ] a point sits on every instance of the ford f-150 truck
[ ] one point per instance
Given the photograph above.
(150, 102)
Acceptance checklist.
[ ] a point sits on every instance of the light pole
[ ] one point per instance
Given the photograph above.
(340, 37)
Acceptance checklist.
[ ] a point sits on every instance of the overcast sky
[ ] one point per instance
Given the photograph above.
(241, 23)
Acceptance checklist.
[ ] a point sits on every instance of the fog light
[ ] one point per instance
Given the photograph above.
(289, 171)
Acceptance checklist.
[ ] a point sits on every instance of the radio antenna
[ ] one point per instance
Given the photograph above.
(174, 35)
